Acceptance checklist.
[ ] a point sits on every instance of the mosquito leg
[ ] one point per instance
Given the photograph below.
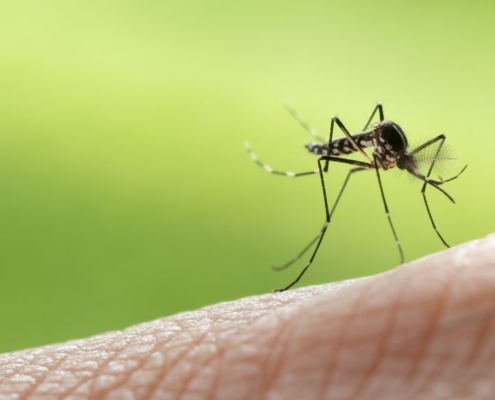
(269, 169)
(428, 143)
(431, 218)
(329, 144)
(361, 166)
(454, 177)
(440, 138)
(318, 239)
(327, 159)
(387, 212)
(325, 169)
(299, 118)
(320, 235)
(435, 184)
(344, 186)
(379, 108)
(427, 181)
(296, 258)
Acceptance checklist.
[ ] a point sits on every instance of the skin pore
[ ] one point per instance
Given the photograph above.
(425, 330)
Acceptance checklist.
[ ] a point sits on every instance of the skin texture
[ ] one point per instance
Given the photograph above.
(425, 330)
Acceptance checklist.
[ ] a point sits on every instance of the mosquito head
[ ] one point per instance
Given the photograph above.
(405, 161)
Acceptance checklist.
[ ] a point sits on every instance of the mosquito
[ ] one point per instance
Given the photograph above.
(390, 150)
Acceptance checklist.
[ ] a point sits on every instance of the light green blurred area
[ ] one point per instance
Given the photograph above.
(126, 193)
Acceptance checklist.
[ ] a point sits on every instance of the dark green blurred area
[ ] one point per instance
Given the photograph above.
(126, 193)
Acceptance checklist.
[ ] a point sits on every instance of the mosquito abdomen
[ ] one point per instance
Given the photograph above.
(342, 146)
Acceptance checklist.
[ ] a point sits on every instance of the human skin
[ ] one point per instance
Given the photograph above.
(425, 330)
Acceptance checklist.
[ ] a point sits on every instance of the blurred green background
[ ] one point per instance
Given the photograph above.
(126, 192)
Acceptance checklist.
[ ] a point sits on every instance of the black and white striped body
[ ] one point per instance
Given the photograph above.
(387, 138)
(342, 146)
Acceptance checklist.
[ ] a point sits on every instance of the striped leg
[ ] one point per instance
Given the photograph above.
(269, 169)
(299, 118)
